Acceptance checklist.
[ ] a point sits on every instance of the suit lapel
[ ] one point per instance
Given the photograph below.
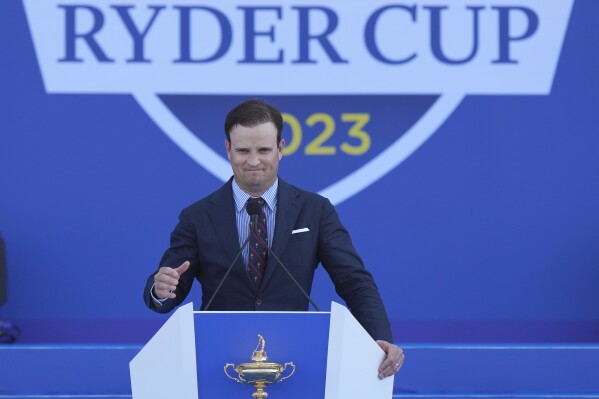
(288, 209)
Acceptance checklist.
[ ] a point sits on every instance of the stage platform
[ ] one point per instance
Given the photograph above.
(431, 371)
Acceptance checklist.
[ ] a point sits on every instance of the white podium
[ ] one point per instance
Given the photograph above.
(335, 357)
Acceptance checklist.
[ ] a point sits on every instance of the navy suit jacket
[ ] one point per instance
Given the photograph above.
(207, 236)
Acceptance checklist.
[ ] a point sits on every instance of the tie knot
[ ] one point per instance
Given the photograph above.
(260, 201)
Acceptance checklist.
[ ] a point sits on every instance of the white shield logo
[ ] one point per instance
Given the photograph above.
(349, 50)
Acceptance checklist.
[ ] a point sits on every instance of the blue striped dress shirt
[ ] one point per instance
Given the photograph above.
(243, 218)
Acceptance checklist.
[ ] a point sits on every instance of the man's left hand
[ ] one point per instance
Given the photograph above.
(393, 361)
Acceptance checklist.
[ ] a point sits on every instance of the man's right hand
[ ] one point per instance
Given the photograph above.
(167, 279)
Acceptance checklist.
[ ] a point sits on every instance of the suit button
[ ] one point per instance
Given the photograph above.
(259, 302)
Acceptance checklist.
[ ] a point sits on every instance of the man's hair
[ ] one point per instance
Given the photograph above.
(253, 113)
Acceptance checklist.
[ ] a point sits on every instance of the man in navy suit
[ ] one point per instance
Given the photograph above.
(302, 228)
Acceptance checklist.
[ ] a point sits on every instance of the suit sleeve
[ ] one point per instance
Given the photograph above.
(352, 281)
(183, 247)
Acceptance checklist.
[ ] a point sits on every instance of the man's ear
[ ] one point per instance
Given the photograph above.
(228, 148)
(281, 146)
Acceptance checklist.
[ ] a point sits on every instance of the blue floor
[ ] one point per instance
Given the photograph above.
(430, 371)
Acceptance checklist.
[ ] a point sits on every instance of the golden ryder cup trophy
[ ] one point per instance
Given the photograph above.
(259, 372)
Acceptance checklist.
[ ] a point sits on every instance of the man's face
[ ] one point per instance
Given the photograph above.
(255, 156)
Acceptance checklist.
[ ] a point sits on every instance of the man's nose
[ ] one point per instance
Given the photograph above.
(253, 160)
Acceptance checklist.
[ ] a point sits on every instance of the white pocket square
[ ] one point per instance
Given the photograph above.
(300, 230)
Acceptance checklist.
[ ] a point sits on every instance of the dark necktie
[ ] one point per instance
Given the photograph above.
(258, 252)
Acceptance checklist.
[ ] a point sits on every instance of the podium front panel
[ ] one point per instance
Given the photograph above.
(231, 337)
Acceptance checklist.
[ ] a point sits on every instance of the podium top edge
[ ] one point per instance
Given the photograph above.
(255, 312)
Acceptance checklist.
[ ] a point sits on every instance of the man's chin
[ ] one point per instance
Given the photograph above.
(253, 185)
(256, 178)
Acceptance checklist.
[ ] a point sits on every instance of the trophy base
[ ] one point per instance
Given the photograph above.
(260, 392)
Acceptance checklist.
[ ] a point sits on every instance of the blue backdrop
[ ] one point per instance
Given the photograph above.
(488, 232)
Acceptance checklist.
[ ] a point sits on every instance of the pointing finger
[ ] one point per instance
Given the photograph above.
(168, 271)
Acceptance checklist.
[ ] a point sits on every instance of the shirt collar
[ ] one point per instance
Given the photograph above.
(241, 197)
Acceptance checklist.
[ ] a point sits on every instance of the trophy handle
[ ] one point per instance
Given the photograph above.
(285, 368)
(233, 378)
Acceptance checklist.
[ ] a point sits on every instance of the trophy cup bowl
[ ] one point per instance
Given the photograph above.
(259, 372)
